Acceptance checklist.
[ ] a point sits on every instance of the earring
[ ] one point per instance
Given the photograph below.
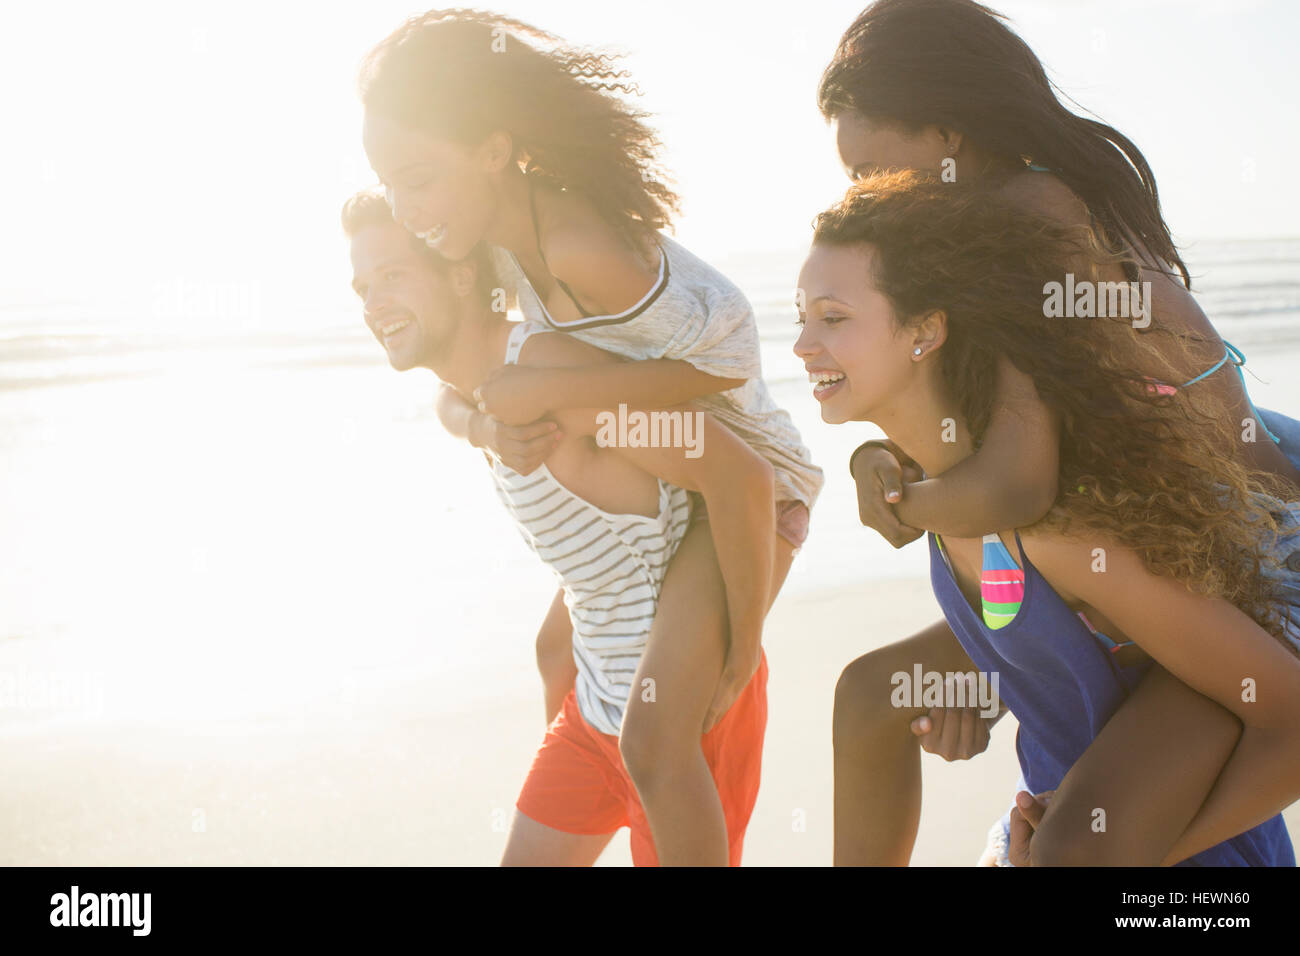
(916, 351)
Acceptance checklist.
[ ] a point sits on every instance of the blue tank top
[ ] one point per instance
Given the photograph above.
(1063, 686)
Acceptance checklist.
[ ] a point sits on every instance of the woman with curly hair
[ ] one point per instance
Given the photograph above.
(485, 129)
(945, 86)
(918, 293)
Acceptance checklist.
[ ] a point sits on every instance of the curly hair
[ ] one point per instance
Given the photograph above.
(463, 74)
(1148, 469)
(956, 63)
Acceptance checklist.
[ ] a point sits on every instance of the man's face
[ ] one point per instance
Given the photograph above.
(407, 303)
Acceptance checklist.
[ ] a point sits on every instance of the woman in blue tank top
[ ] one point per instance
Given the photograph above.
(948, 87)
(912, 295)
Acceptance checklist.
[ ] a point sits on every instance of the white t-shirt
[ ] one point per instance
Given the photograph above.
(695, 314)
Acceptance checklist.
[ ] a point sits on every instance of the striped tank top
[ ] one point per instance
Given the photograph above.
(611, 567)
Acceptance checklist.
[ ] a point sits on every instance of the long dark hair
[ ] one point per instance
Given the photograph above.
(1147, 469)
(462, 74)
(956, 63)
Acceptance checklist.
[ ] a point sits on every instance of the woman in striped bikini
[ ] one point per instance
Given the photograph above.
(1159, 536)
(946, 87)
(485, 129)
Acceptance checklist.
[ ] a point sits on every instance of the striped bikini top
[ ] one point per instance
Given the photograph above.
(611, 567)
(1002, 588)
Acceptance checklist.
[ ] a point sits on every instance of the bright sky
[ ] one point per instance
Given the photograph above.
(150, 143)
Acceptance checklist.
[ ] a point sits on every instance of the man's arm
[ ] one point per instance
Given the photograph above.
(456, 414)
(521, 447)
(555, 656)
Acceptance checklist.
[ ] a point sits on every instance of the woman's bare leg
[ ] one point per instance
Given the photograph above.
(877, 758)
(660, 740)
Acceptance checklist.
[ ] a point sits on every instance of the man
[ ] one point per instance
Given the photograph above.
(608, 521)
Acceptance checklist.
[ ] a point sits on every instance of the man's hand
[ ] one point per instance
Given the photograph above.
(953, 733)
(1026, 816)
(513, 394)
(880, 471)
(736, 675)
(521, 448)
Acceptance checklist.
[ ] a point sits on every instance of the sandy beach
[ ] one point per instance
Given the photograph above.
(395, 779)
(392, 778)
(289, 623)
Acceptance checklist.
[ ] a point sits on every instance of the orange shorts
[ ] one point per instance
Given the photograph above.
(578, 784)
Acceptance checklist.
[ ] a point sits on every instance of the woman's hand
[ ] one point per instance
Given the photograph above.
(737, 672)
(1026, 815)
(880, 468)
(953, 733)
(521, 448)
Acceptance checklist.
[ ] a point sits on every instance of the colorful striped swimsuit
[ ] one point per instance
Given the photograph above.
(1002, 590)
